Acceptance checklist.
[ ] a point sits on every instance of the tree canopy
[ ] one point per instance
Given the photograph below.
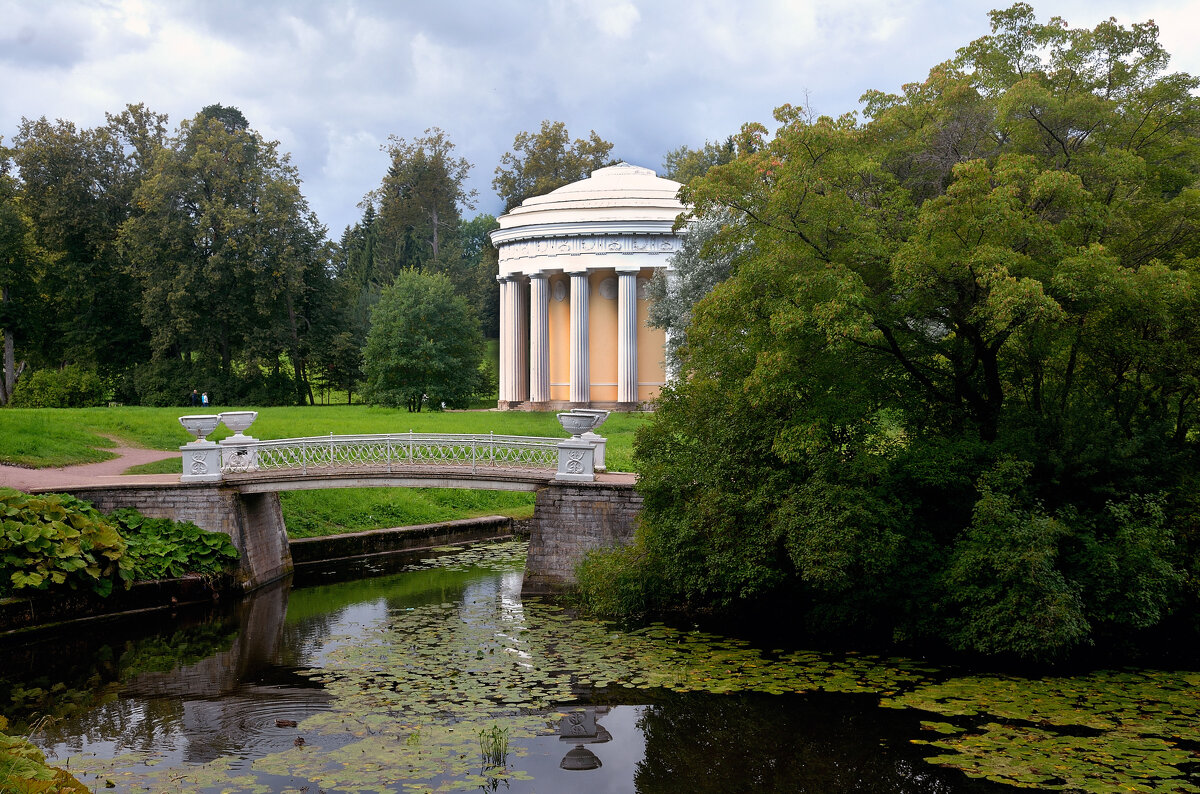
(951, 390)
(546, 160)
(419, 200)
(685, 163)
(232, 263)
(424, 346)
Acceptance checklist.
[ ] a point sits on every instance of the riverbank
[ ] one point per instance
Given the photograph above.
(53, 610)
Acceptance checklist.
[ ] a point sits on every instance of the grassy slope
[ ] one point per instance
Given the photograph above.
(56, 437)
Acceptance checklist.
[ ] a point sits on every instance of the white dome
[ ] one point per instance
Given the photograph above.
(619, 199)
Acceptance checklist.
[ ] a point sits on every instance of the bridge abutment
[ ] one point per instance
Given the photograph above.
(571, 519)
(253, 521)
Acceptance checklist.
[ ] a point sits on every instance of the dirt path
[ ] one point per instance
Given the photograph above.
(104, 472)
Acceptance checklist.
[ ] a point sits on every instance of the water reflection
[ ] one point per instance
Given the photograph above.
(817, 743)
(393, 670)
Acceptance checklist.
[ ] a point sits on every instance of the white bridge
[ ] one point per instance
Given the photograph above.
(313, 461)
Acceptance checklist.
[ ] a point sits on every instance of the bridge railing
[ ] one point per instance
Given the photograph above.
(575, 458)
(388, 452)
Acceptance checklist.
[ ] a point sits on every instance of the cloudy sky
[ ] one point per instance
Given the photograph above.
(332, 80)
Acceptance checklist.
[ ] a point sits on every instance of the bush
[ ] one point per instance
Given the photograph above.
(56, 540)
(162, 383)
(69, 387)
(616, 582)
(160, 548)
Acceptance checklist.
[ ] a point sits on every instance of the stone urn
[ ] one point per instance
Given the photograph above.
(200, 425)
(600, 414)
(238, 421)
(576, 423)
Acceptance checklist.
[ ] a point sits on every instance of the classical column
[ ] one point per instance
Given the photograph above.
(505, 336)
(627, 323)
(581, 383)
(521, 366)
(539, 338)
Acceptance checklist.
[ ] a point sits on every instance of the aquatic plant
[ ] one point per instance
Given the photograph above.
(493, 747)
(414, 697)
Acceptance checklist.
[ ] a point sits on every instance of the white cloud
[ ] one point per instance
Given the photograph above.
(332, 79)
(615, 18)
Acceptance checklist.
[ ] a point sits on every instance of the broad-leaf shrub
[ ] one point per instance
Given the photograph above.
(69, 387)
(24, 768)
(161, 548)
(56, 540)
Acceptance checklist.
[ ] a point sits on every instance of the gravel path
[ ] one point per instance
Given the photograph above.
(103, 473)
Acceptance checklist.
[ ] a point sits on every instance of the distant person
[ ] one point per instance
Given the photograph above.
(204, 399)
(195, 398)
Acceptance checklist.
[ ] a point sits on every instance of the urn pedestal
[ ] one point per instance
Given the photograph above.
(201, 461)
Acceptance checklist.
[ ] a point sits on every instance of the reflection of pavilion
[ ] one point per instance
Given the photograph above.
(580, 728)
(573, 268)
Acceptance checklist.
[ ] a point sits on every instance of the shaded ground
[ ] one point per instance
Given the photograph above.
(89, 473)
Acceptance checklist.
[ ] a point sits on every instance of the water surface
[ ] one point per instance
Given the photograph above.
(393, 679)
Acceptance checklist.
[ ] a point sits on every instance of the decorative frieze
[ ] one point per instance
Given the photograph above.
(595, 244)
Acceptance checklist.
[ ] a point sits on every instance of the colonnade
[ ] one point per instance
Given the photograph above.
(525, 315)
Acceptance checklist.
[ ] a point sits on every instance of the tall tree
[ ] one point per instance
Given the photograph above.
(685, 164)
(475, 276)
(424, 346)
(77, 187)
(545, 160)
(230, 259)
(951, 391)
(419, 201)
(22, 264)
(693, 271)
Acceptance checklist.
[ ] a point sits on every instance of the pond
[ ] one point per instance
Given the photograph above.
(439, 677)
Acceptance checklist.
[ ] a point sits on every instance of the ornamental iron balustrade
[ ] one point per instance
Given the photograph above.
(323, 454)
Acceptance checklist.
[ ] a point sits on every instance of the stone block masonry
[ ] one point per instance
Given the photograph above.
(315, 552)
(569, 520)
(254, 522)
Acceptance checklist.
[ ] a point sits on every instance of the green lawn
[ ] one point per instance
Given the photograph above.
(39, 437)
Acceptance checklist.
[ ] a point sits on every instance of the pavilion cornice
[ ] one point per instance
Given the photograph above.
(564, 229)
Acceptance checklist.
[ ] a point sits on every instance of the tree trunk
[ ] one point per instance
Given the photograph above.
(12, 373)
(434, 214)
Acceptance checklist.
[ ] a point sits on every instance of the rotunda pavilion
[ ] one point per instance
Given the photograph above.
(574, 265)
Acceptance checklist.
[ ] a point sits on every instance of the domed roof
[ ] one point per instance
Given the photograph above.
(618, 199)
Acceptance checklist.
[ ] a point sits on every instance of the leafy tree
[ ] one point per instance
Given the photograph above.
(338, 363)
(956, 363)
(418, 202)
(545, 160)
(77, 187)
(685, 164)
(232, 263)
(424, 345)
(691, 274)
(475, 277)
(21, 263)
(230, 117)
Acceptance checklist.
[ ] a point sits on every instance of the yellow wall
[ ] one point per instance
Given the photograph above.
(560, 340)
(602, 338)
(652, 346)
